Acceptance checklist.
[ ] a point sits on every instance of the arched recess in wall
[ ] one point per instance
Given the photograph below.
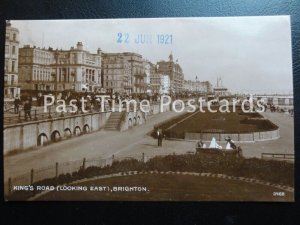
(67, 133)
(77, 131)
(130, 122)
(86, 129)
(55, 136)
(139, 120)
(42, 139)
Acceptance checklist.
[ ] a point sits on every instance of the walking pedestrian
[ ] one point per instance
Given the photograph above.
(159, 135)
(17, 102)
(160, 138)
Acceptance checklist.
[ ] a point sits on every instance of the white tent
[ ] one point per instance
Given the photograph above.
(214, 144)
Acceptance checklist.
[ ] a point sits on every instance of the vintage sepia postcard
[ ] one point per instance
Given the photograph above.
(154, 109)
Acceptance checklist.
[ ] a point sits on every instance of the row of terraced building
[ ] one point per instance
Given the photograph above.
(34, 70)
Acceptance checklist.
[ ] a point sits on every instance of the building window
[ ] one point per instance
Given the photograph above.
(13, 50)
(6, 65)
(12, 79)
(6, 49)
(14, 37)
(13, 66)
(6, 79)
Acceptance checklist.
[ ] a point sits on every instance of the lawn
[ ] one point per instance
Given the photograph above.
(208, 122)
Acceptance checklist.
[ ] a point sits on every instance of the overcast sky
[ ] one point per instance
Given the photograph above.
(249, 53)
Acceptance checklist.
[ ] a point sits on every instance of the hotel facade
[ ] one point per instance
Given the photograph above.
(116, 73)
(174, 71)
(11, 74)
(44, 70)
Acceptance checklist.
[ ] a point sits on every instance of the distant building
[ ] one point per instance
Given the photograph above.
(160, 83)
(166, 84)
(36, 71)
(219, 89)
(149, 69)
(116, 73)
(205, 87)
(197, 86)
(278, 100)
(11, 86)
(137, 73)
(44, 70)
(126, 72)
(155, 81)
(174, 70)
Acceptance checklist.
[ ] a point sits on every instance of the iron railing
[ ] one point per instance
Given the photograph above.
(53, 171)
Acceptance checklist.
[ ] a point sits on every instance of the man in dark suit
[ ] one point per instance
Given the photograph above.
(159, 137)
(17, 102)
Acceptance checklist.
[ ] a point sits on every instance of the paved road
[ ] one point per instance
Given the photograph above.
(285, 144)
(134, 142)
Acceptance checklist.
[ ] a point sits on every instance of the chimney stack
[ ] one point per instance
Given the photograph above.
(79, 45)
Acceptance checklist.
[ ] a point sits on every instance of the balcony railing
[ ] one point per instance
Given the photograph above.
(140, 85)
(127, 86)
(10, 83)
(10, 71)
(140, 75)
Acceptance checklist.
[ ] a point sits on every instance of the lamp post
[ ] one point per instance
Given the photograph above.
(196, 84)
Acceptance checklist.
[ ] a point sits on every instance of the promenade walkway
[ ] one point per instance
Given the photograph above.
(98, 144)
(134, 142)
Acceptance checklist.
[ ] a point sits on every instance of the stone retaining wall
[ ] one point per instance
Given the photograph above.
(24, 135)
(242, 137)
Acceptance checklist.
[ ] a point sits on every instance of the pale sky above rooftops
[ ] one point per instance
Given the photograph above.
(251, 54)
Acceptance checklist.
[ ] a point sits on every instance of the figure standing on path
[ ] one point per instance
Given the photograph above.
(17, 102)
(159, 137)
(27, 109)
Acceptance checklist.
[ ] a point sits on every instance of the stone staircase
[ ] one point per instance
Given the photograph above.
(113, 122)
